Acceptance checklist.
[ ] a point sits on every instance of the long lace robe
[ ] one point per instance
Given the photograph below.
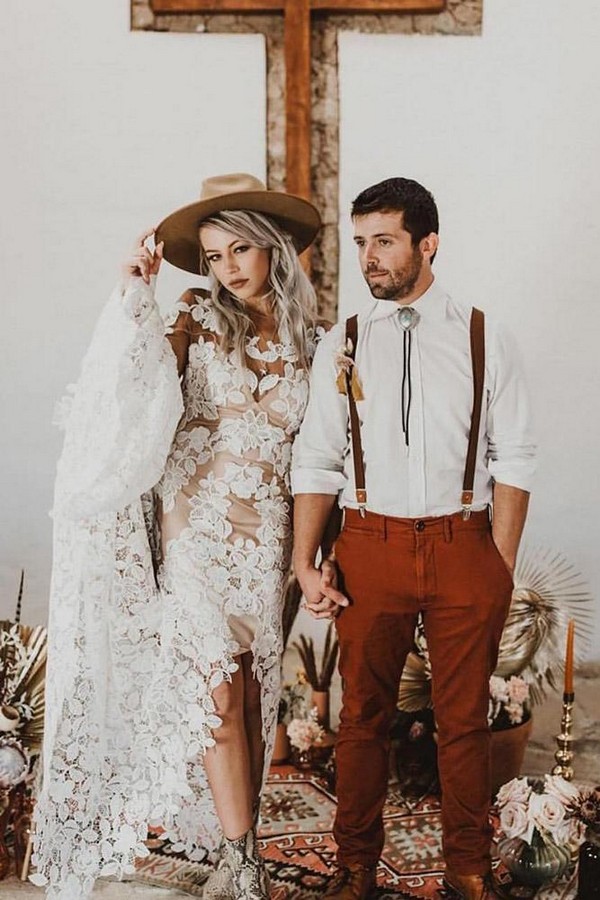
(144, 625)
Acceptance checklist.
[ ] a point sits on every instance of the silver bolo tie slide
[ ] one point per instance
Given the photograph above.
(409, 319)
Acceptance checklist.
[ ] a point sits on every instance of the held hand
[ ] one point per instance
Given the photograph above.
(323, 600)
(143, 262)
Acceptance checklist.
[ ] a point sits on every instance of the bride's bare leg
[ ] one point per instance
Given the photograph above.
(253, 721)
(227, 764)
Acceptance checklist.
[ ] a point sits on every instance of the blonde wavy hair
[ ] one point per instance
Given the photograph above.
(294, 300)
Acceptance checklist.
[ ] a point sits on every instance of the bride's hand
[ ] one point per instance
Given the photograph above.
(142, 261)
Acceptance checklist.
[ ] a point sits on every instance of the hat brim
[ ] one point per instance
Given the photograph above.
(179, 231)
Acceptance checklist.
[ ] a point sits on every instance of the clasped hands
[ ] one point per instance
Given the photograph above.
(319, 586)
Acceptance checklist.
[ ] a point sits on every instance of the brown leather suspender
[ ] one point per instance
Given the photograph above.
(477, 335)
(478, 363)
(357, 454)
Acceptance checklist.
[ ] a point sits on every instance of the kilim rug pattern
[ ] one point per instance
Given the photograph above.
(296, 839)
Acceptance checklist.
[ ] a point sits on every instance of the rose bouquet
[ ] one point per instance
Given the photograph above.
(509, 702)
(538, 833)
(305, 733)
(532, 808)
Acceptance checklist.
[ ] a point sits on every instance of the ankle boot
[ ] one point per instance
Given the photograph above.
(250, 880)
(219, 884)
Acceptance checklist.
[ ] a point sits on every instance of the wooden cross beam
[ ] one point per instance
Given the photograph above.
(297, 15)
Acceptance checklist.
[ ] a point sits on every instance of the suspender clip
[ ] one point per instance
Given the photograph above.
(361, 499)
(467, 502)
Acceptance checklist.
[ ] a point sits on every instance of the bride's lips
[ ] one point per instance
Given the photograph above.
(238, 284)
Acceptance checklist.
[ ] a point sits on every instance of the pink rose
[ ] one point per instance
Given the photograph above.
(547, 813)
(514, 821)
(518, 689)
(516, 790)
(558, 787)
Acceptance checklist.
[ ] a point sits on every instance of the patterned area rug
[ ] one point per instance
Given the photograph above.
(296, 839)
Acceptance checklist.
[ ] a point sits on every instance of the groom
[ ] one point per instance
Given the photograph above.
(417, 471)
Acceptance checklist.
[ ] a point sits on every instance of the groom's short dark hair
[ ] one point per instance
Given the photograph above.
(416, 203)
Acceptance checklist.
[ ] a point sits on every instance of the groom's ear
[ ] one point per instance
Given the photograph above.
(429, 245)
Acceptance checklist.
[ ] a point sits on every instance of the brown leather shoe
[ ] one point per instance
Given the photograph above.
(469, 887)
(351, 883)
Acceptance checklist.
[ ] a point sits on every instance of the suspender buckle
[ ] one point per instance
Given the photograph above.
(361, 499)
(467, 502)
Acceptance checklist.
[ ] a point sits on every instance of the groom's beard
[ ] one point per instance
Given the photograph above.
(394, 284)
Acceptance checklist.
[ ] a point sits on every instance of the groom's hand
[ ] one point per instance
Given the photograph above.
(319, 586)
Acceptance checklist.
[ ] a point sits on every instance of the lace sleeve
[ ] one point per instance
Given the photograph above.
(180, 327)
(121, 415)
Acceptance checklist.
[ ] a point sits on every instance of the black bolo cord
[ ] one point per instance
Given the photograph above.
(406, 383)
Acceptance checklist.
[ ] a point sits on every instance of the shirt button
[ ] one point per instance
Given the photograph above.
(420, 525)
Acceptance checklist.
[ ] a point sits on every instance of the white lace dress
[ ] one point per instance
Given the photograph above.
(156, 593)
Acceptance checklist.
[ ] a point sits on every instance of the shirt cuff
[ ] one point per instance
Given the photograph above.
(514, 475)
(317, 481)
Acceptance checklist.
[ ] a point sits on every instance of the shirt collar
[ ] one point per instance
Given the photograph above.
(430, 305)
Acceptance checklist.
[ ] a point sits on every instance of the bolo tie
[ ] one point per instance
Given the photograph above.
(408, 317)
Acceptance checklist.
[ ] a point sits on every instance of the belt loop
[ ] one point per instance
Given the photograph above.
(448, 529)
(384, 527)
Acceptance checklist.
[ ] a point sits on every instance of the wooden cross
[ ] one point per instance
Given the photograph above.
(297, 15)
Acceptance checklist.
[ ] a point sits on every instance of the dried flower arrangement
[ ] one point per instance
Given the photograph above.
(318, 676)
(22, 678)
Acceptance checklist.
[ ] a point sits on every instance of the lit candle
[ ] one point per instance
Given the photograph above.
(569, 658)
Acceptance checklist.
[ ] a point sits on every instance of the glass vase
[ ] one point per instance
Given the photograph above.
(535, 864)
(588, 879)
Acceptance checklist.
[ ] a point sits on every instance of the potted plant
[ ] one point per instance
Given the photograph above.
(305, 735)
(22, 680)
(510, 722)
(319, 674)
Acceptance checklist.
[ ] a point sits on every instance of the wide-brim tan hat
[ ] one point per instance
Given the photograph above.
(179, 231)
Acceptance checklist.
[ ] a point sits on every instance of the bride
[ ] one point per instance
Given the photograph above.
(172, 548)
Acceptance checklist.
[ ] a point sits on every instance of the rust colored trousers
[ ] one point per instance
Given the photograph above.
(451, 571)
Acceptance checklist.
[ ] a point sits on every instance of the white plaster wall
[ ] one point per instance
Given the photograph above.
(505, 130)
(104, 132)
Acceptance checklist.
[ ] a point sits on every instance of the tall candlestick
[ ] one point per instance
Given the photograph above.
(569, 658)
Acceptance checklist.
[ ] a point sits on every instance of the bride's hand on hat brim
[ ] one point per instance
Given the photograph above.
(143, 262)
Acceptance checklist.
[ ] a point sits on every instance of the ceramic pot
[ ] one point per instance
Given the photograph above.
(282, 747)
(507, 749)
(320, 699)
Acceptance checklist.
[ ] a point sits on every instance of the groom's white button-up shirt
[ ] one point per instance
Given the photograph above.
(425, 478)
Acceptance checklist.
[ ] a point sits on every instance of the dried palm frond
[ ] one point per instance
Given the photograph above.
(22, 675)
(318, 678)
(548, 592)
(415, 684)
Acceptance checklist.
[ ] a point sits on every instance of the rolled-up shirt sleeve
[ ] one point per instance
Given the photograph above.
(512, 448)
(321, 445)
